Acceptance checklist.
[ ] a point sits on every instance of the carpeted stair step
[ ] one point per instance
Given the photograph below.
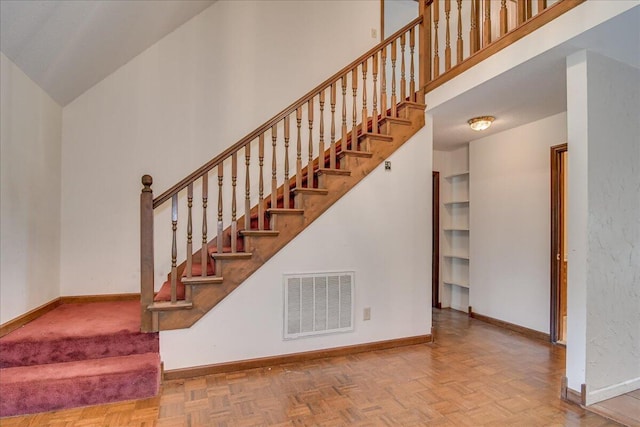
(53, 386)
(74, 332)
(76, 355)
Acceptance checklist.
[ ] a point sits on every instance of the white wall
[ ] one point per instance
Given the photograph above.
(510, 222)
(609, 251)
(381, 230)
(177, 105)
(30, 127)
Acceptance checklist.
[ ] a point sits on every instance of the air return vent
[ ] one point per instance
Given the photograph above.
(318, 303)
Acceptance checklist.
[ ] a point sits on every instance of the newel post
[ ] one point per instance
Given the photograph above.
(424, 56)
(146, 253)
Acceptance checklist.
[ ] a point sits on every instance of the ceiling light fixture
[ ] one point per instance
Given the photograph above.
(481, 123)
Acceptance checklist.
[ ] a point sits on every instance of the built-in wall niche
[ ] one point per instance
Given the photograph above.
(455, 240)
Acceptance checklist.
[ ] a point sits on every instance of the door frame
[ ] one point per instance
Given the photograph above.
(435, 241)
(557, 246)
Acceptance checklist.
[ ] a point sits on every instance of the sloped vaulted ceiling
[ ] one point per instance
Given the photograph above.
(67, 46)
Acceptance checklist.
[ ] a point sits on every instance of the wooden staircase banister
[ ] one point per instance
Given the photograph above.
(180, 185)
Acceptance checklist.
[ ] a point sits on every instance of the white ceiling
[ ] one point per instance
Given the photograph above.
(67, 46)
(535, 89)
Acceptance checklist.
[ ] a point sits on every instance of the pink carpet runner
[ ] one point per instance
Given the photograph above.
(76, 355)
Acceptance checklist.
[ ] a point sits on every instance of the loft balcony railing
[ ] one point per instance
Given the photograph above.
(259, 172)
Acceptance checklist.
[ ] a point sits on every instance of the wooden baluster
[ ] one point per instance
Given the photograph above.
(343, 145)
(460, 42)
(474, 32)
(299, 149)
(187, 289)
(204, 253)
(234, 207)
(486, 27)
(383, 83)
(146, 255)
(354, 114)
(247, 187)
(529, 9)
(365, 112)
(447, 45)
(174, 249)
(374, 113)
(310, 163)
(424, 48)
(261, 182)
(504, 28)
(332, 154)
(412, 48)
(220, 229)
(394, 100)
(436, 48)
(542, 5)
(189, 230)
(321, 162)
(522, 11)
(274, 165)
(403, 79)
(287, 188)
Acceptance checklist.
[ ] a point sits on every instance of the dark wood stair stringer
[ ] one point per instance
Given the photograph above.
(288, 223)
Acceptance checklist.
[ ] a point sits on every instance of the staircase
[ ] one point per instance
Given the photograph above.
(78, 355)
(227, 270)
(308, 156)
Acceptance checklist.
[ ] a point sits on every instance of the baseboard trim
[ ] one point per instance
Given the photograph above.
(530, 333)
(29, 316)
(572, 396)
(263, 362)
(99, 298)
(32, 315)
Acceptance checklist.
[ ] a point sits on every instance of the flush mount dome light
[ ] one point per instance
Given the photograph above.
(481, 123)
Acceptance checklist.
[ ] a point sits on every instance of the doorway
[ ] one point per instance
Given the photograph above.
(559, 265)
(435, 241)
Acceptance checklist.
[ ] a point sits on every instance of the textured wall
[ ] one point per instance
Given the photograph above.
(613, 281)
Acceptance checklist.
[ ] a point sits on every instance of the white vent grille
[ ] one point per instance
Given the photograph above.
(318, 303)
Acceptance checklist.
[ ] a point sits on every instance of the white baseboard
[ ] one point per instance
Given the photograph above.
(595, 396)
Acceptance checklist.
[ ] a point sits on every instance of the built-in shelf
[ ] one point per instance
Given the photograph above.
(456, 256)
(455, 252)
(455, 175)
(452, 283)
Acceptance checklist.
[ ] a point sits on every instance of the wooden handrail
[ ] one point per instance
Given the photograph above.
(278, 117)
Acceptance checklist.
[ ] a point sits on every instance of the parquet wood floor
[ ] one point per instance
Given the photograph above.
(475, 374)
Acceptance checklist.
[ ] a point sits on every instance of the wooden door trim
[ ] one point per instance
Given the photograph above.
(556, 238)
(435, 232)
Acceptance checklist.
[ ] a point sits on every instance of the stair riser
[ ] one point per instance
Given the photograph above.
(45, 395)
(68, 350)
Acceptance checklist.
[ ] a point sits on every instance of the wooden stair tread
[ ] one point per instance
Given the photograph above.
(230, 255)
(328, 171)
(283, 211)
(202, 280)
(259, 233)
(377, 136)
(169, 306)
(396, 120)
(354, 153)
(318, 191)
